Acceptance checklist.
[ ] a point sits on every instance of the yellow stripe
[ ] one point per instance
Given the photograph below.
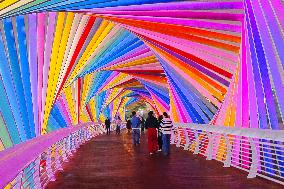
(114, 94)
(7, 3)
(115, 106)
(121, 109)
(92, 107)
(70, 102)
(64, 40)
(122, 80)
(173, 107)
(86, 87)
(142, 61)
(84, 117)
(8, 186)
(1, 146)
(102, 117)
(53, 69)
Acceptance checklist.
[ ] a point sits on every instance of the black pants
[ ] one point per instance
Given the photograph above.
(160, 141)
(117, 130)
(108, 130)
(142, 128)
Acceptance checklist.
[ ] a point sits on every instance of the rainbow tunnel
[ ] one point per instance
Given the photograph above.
(214, 63)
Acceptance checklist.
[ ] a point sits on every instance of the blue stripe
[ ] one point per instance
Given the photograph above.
(16, 74)
(8, 116)
(22, 49)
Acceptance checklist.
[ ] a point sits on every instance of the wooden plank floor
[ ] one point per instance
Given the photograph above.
(112, 162)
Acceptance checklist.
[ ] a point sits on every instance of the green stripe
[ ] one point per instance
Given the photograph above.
(4, 135)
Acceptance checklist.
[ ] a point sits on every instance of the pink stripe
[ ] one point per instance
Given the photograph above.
(40, 59)
(252, 94)
(64, 107)
(245, 102)
(47, 53)
(238, 99)
(278, 7)
(184, 116)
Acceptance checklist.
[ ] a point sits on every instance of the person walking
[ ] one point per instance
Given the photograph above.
(152, 125)
(160, 134)
(135, 124)
(166, 126)
(118, 124)
(142, 124)
(128, 125)
(107, 124)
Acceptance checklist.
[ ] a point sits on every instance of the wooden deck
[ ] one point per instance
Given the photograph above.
(112, 162)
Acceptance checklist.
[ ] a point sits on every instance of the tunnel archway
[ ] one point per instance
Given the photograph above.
(160, 64)
(208, 62)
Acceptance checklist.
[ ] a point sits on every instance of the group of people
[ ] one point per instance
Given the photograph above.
(117, 123)
(159, 131)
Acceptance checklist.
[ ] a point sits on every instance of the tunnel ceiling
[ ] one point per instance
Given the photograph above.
(67, 62)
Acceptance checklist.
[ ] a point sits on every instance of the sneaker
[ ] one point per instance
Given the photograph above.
(151, 153)
(159, 150)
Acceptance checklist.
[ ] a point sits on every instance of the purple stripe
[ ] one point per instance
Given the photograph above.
(179, 6)
(270, 55)
(33, 66)
(47, 53)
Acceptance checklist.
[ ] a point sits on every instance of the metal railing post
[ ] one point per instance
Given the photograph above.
(18, 180)
(57, 156)
(36, 174)
(173, 136)
(64, 149)
(209, 150)
(186, 146)
(227, 162)
(253, 167)
(48, 165)
(196, 150)
(179, 138)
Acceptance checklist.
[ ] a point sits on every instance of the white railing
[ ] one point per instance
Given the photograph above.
(43, 156)
(259, 152)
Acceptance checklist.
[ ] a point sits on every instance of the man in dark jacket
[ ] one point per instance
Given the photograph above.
(152, 125)
(107, 123)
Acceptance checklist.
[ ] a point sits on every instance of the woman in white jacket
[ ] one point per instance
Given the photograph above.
(118, 124)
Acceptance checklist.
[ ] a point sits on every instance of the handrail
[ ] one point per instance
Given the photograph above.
(246, 132)
(15, 159)
(260, 152)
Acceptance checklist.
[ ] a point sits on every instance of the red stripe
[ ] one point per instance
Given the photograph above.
(89, 112)
(79, 98)
(77, 51)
